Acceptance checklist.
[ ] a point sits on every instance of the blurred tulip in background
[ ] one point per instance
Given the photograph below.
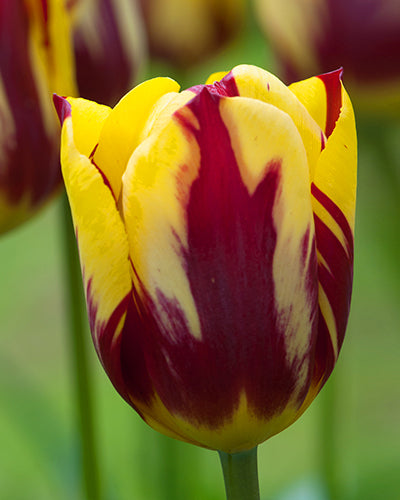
(87, 47)
(35, 60)
(217, 274)
(184, 32)
(109, 47)
(362, 36)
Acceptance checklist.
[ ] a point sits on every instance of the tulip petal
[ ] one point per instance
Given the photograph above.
(259, 84)
(216, 77)
(210, 268)
(103, 246)
(333, 199)
(88, 119)
(108, 40)
(122, 130)
(322, 96)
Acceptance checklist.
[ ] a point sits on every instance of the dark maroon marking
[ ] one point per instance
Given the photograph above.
(63, 107)
(93, 151)
(231, 241)
(104, 177)
(226, 87)
(324, 355)
(104, 75)
(323, 141)
(337, 280)
(337, 215)
(332, 82)
(31, 164)
(109, 352)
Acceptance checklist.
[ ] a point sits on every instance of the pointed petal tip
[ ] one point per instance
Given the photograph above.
(63, 107)
(336, 74)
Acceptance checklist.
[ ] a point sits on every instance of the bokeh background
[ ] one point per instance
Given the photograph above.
(356, 417)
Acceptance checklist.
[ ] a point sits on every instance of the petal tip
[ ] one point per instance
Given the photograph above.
(335, 75)
(63, 107)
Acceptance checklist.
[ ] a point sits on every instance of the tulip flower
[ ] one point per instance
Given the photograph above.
(35, 60)
(184, 32)
(109, 47)
(215, 231)
(361, 36)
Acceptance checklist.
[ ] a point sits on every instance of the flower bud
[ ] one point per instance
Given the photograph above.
(35, 60)
(361, 36)
(109, 47)
(185, 32)
(215, 231)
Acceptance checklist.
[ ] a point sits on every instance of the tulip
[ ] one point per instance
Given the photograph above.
(109, 47)
(215, 232)
(362, 36)
(35, 60)
(185, 32)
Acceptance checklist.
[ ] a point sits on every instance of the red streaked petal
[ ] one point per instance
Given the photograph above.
(333, 86)
(226, 87)
(63, 107)
(228, 248)
(335, 275)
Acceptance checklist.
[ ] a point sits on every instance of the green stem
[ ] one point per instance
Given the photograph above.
(79, 355)
(168, 454)
(240, 475)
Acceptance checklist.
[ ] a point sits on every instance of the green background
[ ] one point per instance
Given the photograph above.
(360, 405)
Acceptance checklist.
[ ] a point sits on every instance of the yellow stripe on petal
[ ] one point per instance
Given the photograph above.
(121, 132)
(327, 313)
(216, 77)
(336, 172)
(102, 240)
(88, 119)
(163, 110)
(312, 93)
(51, 54)
(259, 84)
(156, 186)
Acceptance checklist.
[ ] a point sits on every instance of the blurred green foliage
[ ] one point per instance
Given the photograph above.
(39, 452)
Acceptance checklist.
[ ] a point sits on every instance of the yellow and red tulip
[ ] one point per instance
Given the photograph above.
(215, 231)
(185, 32)
(109, 47)
(35, 60)
(361, 36)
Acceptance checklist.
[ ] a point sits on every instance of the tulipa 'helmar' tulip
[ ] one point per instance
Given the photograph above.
(215, 231)
(109, 47)
(35, 60)
(362, 36)
(186, 31)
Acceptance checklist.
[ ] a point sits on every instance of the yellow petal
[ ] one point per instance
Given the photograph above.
(102, 240)
(216, 77)
(122, 130)
(312, 93)
(336, 172)
(257, 83)
(152, 207)
(88, 118)
(163, 110)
